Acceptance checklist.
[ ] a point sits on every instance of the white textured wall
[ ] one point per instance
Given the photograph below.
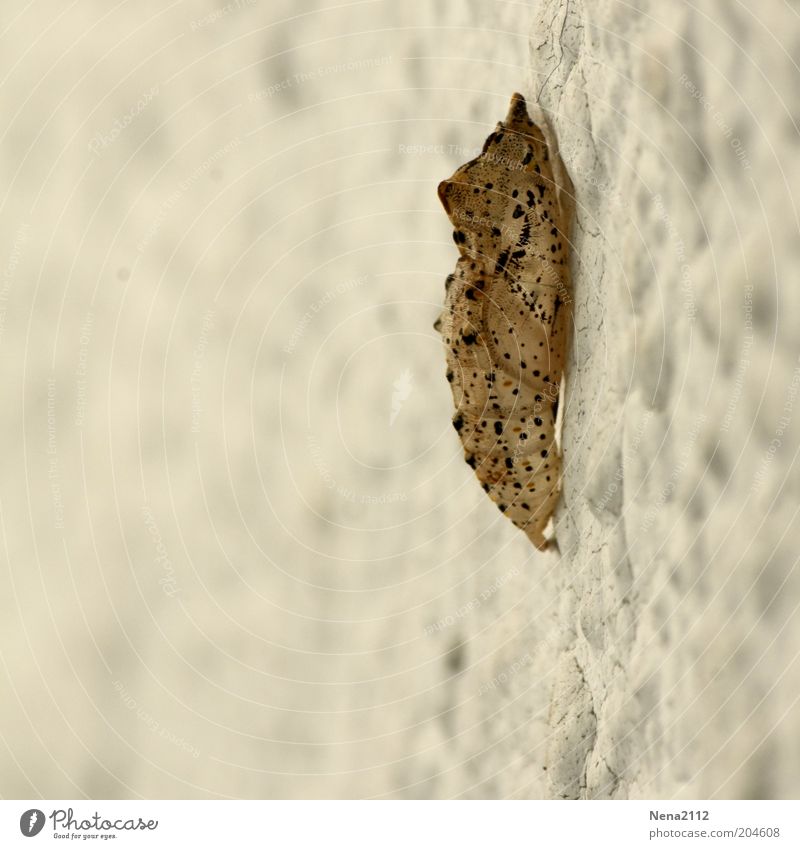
(677, 672)
(228, 571)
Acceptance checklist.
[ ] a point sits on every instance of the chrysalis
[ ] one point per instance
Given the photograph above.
(506, 315)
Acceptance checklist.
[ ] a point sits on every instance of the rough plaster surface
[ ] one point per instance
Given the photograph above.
(244, 556)
(678, 672)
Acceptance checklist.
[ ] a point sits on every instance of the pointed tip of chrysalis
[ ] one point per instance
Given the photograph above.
(517, 109)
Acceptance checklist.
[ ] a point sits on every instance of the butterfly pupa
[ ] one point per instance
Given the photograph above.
(505, 322)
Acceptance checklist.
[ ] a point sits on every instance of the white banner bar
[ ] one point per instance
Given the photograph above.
(401, 824)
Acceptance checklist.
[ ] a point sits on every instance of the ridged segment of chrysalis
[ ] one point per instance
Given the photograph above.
(505, 322)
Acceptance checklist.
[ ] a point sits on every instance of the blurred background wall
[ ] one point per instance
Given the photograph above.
(242, 554)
